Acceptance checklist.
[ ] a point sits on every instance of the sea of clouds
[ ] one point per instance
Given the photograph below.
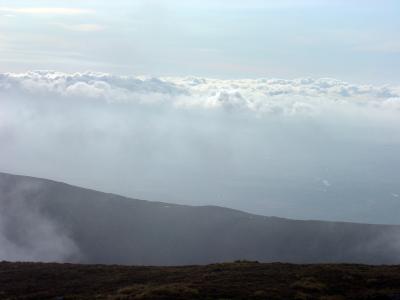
(301, 148)
(261, 96)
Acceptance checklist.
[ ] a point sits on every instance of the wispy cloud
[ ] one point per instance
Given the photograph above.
(8, 16)
(392, 47)
(45, 10)
(81, 27)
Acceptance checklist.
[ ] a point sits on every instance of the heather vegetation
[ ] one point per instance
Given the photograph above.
(238, 280)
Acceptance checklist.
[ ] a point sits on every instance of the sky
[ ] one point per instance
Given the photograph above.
(352, 40)
(280, 108)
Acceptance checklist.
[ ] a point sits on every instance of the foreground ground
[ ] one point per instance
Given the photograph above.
(239, 280)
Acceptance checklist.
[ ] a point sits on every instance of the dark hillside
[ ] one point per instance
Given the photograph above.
(110, 229)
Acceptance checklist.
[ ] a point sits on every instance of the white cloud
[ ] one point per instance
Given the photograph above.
(261, 96)
(81, 27)
(45, 10)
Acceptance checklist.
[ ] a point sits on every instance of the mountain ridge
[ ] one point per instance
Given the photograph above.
(188, 205)
(107, 228)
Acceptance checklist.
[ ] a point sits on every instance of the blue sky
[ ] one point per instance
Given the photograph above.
(357, 41)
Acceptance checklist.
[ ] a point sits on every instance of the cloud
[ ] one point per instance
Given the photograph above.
(82, 27)
(26, 234)
(250, 144)
(45, 10)
(379, 46)
(261, 96)
(326, 183)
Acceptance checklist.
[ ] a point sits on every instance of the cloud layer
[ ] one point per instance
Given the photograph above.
(302, 148)
(262, 96)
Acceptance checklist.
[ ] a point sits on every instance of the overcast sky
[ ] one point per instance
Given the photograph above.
(356, 41)
(312, 133)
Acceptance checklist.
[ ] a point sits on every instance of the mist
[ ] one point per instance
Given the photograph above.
(302, 148)
(26, 233)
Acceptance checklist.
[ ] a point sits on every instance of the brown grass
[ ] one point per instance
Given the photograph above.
(240, 280)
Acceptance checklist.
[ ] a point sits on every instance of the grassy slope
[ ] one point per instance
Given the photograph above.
(240, 280)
